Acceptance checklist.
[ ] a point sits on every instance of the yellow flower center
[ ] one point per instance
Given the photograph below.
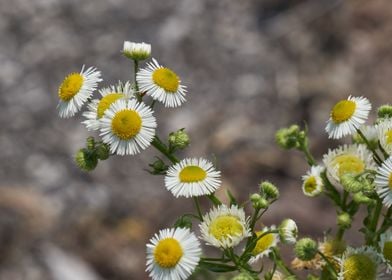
(192, 174)
(310, 184)
(126, 124)
(388, 136)
(225, 226)
(70, 86)
(387, 251)
(166, 79)
(359, 267)
(106, 101)
(348, 163)
(168, 252)
(263, 243)
(342, 111)
(390, 181)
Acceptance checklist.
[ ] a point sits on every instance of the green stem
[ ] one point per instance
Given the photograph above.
(376, 157)
(329, 265)
(340, 233)
(214, 199)
(196, 199)
(279, 262)
(374, 222)
(135, 70)
(308, 155)
(385, 224)
(334, 194)
(162, 148)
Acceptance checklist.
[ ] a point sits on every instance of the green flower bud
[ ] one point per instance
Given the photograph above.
(243, 276)
(351, 183)
(103, 151)
(158, 167)
(360, 198)
(384, 112)
(254, 197)
(269, 190)
(86, 160)
(344, 220)
(288, 231)
(90, 143)
(306, 249)
(289, 138)
(179, 139)
(258, 201)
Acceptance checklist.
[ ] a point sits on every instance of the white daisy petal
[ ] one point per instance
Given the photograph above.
(128, 126)
(383, 182)
(347, 116)
(137, 51)
(76, 89)
(264, 244)
(162, 84)
(192, 177)
(173, 254)
(384, 130)
(225, 227)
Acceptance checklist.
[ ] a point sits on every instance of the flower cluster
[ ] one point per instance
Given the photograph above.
(350, 175)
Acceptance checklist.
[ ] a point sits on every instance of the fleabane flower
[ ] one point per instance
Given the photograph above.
(384, 130)
(97, 107)
(360, 264)
(173, 254)
(347, 116)
(127, 127)
(385, 245)
(192, 177)
(162, 84)
(265, 244)
(383, 182)
(225, 227)
(76, 89)
(288, 231)
(136, 51)
(348, 159)
(312, 182)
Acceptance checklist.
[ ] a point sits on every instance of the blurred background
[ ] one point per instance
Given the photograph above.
(251, 67)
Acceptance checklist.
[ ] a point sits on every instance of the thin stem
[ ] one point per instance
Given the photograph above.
(375, 155)
(340, 233)
(329, 264)
(374, 222)
(162, 148)
(308, 155)
(280, 263)
(214, 199)
(196, 199)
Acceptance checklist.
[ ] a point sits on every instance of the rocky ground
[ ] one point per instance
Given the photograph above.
(250, 67)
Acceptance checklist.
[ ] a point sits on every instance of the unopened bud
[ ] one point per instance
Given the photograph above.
(179, 139)
(86, 160)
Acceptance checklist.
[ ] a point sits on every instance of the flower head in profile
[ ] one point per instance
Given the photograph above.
(264, 244)
(162, 84)
(384, 130)
(97, 107)
(383, 182)
(192, 177)
(347, 116)
(76, 89)
(173, 254)
(348, 159)
(312, 182)
(288, 231)
(360, 264)
(224, 226)
(136, 51)
(385, 245)
(128, 127)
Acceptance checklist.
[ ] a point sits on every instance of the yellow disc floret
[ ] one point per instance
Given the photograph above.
(106, 101)
(225, 226)
(168, 252)
(263, 243)
(359, 267)
(192, 174)
(126, 124)
(388, 136)
(349, 163)
(343, 110)
(310, 184)
(70, 86)
(387, 251)
(166, 79)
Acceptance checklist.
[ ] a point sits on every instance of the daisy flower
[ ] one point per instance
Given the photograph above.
(347, 116)
(385, 244)
(172, 254)
(312, 182)
(384, 130)
(288, 231)
(128, 127)
(348, 159)
(97, 107)
(192, 177)
(383, 182)
(265, 244)
(225, 227)
(162, 84)
(136, 51)
(76, 89)
(360, 264)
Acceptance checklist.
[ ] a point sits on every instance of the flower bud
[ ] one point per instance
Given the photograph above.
(158, 167)
(269, 190)
(288, 138)
(243, 276)
(179, 139)
(344, 220)
(103, 151)
(258, 201)
(306, 249)
(360, 198)
(90, 143)
(136, 51)
(384, 112)
(288, 231)
(350, 183)
(86, 160)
